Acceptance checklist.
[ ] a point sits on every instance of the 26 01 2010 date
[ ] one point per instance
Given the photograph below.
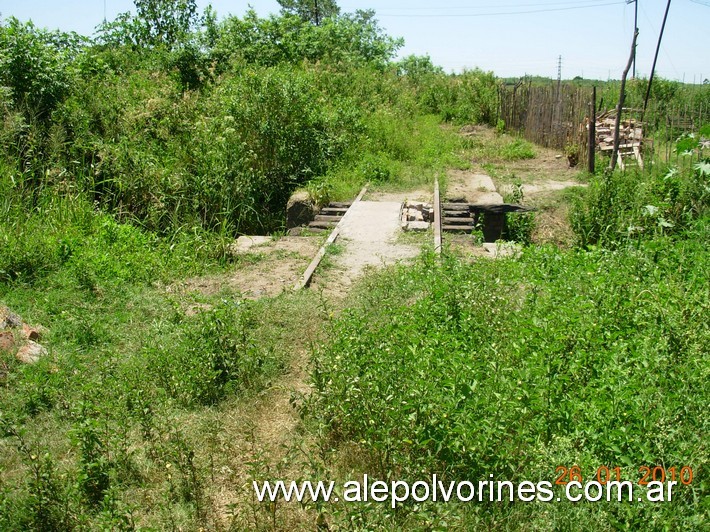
(647, 474)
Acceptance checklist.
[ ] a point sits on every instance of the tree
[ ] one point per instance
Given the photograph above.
(165, 23)
(314, 11)
(35, 65)
(349, 38)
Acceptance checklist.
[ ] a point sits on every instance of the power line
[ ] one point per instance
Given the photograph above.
(570, 8)
(663, 48)
(567, 3)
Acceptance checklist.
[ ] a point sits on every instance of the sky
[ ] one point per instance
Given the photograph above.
(509, 37)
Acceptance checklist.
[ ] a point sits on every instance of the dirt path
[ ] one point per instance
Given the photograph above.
(369, 233)
(472, 188)
(266, 436)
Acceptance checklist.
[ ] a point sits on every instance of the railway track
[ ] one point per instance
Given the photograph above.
(449, 217)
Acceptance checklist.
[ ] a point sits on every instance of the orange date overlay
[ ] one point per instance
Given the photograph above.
(604, 474)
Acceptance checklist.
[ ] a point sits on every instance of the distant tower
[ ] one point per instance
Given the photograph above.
(559, 70)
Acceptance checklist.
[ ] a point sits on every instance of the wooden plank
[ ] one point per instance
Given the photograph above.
(339, 204)
(620, 161)
(326, 218)
(437, 218)
(333, 210)
(622, 146)
(457, 228)
(457, 220)
(322, 225)
(637, 154)
(308, 274)
(457, 214)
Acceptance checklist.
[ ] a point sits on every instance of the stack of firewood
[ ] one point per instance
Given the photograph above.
(630, 132)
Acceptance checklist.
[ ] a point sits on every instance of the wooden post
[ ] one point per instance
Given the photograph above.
(615, 152)
(592, 131)
(437, 218)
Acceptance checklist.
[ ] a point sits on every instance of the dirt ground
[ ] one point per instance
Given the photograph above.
(544, 179)
(262, 270)
(266, 267)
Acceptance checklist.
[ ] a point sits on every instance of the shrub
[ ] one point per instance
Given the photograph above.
(628, 206)
(519, 227)
(35, 65)
(510, 368)
(216, 356)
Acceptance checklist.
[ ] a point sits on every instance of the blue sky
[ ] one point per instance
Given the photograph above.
(509, 37)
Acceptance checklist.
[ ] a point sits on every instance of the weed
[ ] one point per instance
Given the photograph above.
(215, 356)
(519, 226)
(562, 342)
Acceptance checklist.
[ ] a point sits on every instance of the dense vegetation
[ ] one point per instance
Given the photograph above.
(595, 357)
(129, 162)
(172, 120)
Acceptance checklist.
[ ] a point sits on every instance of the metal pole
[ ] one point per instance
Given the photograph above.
(655, 58)
(636, 28)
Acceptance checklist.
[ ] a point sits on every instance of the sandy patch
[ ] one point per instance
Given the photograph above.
(265, 269)
(369, 232)
(471, 187)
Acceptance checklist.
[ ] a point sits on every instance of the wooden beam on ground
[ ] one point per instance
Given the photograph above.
(305, 279)
(637, 154)
(437, 218)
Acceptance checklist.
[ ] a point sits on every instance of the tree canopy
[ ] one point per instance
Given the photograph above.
(314, 11)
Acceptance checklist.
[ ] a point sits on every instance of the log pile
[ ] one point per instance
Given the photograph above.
(630, 136)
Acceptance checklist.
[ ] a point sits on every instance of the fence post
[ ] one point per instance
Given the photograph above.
(591, 145)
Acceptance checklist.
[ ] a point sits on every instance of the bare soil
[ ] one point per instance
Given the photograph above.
(544, 179)
(263, 270)
(472, 187)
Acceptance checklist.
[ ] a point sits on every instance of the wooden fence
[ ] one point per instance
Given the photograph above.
(551, 115)
(556, 116)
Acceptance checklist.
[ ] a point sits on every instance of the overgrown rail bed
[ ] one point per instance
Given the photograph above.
(130, 162)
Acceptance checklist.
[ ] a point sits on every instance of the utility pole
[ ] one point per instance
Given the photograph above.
(636, 28)
(591, 142)
(655, 58)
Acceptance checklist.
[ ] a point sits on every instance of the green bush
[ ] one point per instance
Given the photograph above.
(628, 206)
(512, 368)
(467, 98)
(215, 356)
(35, 66)
(519, 226)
